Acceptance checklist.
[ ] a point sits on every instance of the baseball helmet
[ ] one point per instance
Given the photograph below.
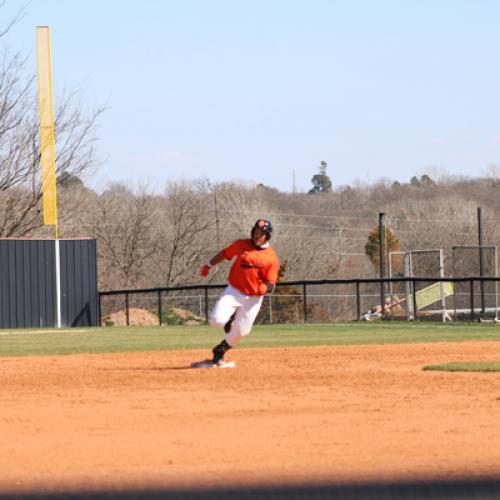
(265, 225)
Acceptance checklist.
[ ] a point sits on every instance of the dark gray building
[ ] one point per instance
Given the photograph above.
(28, 284)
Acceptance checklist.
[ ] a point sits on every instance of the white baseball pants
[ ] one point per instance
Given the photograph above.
(246, 306)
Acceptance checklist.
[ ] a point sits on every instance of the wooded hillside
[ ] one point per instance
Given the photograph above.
(148, 240)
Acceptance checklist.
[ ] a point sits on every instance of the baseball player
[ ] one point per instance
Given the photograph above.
(253, 274)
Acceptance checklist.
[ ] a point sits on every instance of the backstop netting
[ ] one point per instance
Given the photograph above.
(430, 297)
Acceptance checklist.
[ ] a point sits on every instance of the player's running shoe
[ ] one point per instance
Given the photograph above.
(218, 352)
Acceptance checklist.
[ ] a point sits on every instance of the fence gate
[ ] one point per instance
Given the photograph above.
(28, 283)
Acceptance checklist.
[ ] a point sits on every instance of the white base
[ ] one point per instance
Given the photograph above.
(208, 364)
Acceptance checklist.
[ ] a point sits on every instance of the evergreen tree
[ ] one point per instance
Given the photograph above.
(425, 180)
(372, 247)
(321, 182)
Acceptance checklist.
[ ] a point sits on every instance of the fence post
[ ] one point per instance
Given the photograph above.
(159, 305)
(481, 258)
(304, 297)
(414, 285)
(99, 308)
(127, 315)
(358, 305)
(472, 314)
(206, 304)
(270, 310)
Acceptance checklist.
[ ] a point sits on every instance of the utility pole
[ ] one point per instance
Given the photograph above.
(381, 232)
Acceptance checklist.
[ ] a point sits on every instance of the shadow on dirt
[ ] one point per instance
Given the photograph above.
(465, 489)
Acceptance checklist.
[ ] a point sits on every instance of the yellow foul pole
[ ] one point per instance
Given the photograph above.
(47, 137)
(48, 149)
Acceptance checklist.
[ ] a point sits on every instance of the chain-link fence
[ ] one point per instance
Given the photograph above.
(323, 301)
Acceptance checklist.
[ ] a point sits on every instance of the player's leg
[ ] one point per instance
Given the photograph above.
(223, 315)
(224, 309)
(242, 325)
(229, 324)
(244, 319)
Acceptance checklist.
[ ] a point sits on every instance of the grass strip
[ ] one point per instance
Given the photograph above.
(142, 339)
(466, 367)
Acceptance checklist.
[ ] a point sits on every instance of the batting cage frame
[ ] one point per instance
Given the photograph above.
(427, 295)
(483, 309)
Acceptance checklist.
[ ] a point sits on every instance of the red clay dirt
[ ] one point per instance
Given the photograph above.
(282, 416)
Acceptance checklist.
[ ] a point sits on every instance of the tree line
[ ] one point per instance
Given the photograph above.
(147, 239)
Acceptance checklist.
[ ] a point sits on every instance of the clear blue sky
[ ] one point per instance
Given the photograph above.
(257, 90)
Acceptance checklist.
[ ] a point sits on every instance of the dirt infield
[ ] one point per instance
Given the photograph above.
(282, 416)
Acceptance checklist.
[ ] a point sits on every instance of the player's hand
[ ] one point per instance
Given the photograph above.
(265, 288)
(205, 269)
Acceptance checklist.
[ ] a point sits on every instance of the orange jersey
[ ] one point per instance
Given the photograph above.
(252, 267)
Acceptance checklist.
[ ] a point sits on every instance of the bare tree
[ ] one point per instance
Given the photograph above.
(124, 226)
(8, 24)
(492, 172)
(187, 229)
(20, 176)
(239, 207)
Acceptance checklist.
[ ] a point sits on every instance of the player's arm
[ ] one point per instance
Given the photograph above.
(216, 259)
(270, 278)
(225, 254)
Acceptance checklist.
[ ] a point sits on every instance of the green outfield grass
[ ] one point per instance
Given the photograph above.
(465, 367)
(141, 339)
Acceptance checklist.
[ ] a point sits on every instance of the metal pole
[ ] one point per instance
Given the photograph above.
(472, 315)
(408, 273)
(391, 288)
(270, 310)
(99, 312)
(414, 284)
(304, 301)
(127, 315)
(381, 233)
(358, 305)
(454, 286)
(441, 287)
(206, 305)
(159, 306)
(496, 283)
(58, 284)
(481, 257)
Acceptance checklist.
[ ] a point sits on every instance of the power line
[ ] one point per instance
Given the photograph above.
(314, 238)
(255, 212)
